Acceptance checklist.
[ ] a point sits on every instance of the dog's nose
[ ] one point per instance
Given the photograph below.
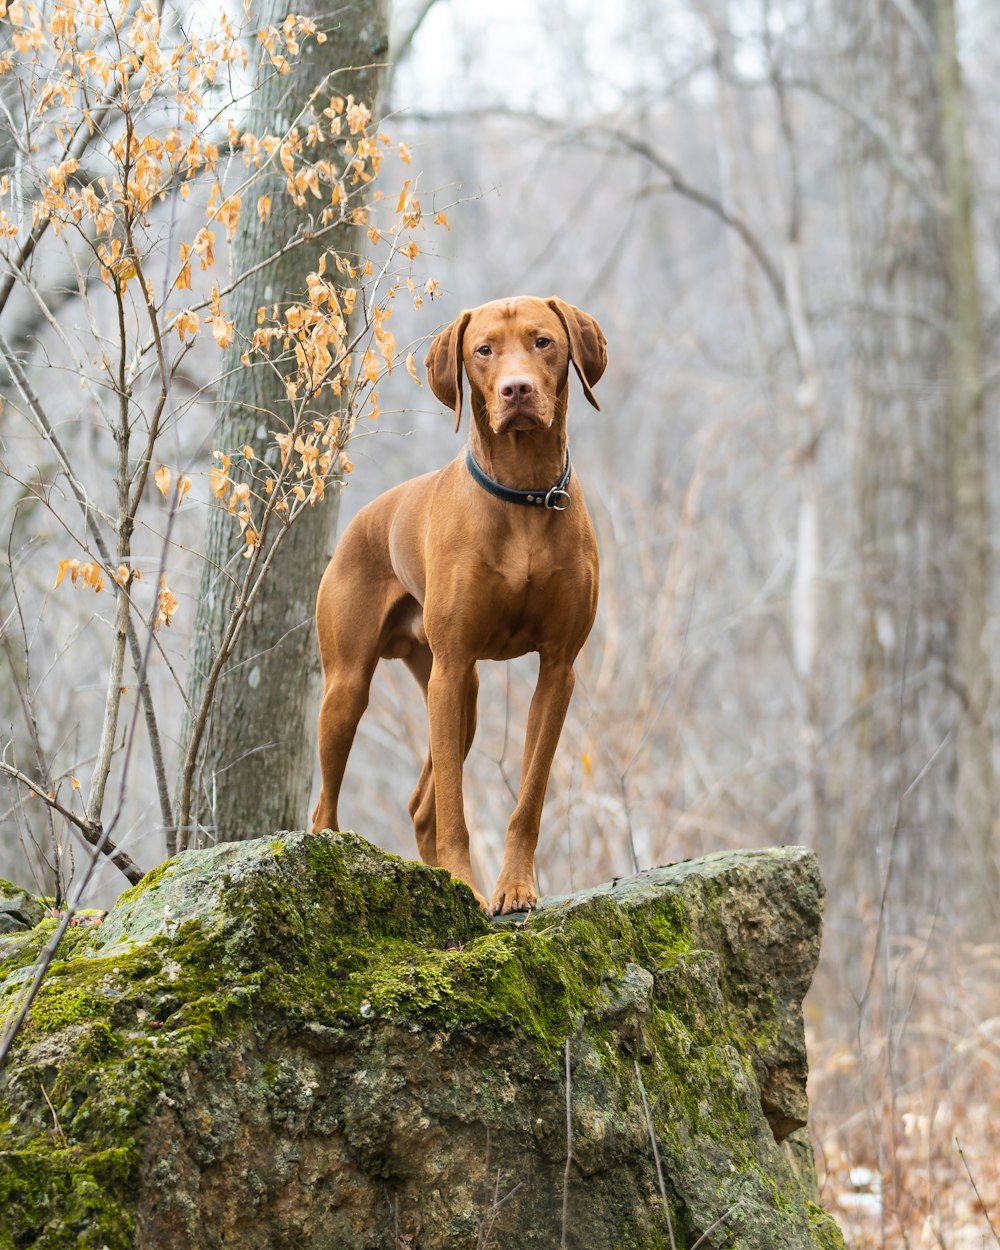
(516, 388)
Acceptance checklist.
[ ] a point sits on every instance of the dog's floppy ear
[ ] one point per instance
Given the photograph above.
(445, 367)
(588, 348)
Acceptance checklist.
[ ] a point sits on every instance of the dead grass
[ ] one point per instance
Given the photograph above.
(905, 1111)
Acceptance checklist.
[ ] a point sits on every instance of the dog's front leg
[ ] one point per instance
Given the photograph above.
(447, 696)
(515, 888)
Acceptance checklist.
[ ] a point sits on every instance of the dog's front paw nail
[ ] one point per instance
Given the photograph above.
(515, 897)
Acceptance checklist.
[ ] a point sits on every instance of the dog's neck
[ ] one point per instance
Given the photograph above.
(521, 459)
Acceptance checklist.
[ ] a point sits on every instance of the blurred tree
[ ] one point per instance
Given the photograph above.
(257, 761)
(923, 742)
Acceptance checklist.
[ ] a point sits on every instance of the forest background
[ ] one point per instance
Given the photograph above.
(784, 214)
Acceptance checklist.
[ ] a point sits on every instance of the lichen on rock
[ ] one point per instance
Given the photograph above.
(304, 1042)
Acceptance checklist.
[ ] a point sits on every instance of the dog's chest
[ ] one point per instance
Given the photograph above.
(523, 573)
(532, 595)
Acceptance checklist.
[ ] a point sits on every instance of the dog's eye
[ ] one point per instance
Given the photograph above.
(485, 350)
(542, 341)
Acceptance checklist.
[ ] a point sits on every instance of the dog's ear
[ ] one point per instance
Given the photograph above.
(588, 348)
(445, 367)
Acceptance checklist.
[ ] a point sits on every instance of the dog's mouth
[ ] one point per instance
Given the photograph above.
(519, 418)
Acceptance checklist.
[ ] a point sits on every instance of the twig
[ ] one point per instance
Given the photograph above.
(30, 991)
(975, 1190)
(569, 1149)
(656, 1157)
(248, 589)
(398, 53)
(92, 833)
(76, 147)
(712, 1227)
(55, 1119)
(113, 694)
(490, 1217)
(91, 516)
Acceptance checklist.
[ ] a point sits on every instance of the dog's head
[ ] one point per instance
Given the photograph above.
(517, 353)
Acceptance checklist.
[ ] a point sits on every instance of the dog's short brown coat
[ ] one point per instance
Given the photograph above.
(440, 573)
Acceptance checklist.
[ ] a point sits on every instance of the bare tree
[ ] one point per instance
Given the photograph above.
(126, 175)
(923, 747)
(256, 758)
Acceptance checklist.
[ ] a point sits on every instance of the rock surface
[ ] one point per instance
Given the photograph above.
(18, 909)
(303, 1042)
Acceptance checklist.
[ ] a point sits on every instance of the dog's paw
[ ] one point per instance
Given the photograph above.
(513, 896)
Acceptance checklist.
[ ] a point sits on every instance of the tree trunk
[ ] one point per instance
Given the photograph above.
(925, 796)
(256, 765)
(971, 549)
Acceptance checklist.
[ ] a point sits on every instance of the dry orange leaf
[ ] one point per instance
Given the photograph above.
(66, 566)
(187, 322)
(229, 215)
(166, 604)
(218, 482)
(222, 331)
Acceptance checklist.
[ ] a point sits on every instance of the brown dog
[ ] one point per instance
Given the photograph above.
(489, 558)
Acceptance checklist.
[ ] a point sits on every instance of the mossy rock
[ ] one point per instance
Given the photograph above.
(303, 1042)
(19, 910)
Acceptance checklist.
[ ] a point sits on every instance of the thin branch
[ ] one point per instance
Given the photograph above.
(975, 1189)
(113, 694)
(94, 835)
(91, 514)
(258, 567)
(398, 53)
(76, 147)
(712, 1227)
(734, 220)
(57, 1127)
(569, 1149)
(880, 132)
(90, 510)
(656, 1155)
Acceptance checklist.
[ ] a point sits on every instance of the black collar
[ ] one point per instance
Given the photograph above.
(555, 497)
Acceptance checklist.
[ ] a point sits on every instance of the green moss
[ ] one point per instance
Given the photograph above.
(323, 941)
(148, 882)
(825, 1233)
(135, 1020)
(666, 933)
(56, 1197)
(101, 1043)
(56, 1006)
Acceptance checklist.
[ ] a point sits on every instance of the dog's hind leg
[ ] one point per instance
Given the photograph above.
(421, 804)
(344, 703)
(352, 615)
